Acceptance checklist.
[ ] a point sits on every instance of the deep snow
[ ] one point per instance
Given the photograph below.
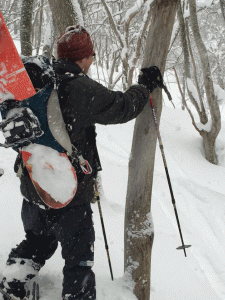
(199, 191)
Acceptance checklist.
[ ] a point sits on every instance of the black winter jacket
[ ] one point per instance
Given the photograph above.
(84, 102)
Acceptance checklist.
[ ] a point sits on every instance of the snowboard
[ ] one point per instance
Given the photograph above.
(15, 84)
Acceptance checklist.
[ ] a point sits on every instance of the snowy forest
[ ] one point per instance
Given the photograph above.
(185, 39)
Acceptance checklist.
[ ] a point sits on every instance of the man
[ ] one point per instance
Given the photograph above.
(84, 102)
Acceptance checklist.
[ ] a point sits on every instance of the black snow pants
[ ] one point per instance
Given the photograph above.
(73, 228)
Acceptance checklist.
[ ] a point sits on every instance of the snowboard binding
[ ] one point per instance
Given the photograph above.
(20, 127)
(34, 292)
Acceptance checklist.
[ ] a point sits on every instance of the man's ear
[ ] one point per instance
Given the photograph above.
(81, 61)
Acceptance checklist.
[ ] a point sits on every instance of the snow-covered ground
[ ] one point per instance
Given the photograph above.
(199, 189)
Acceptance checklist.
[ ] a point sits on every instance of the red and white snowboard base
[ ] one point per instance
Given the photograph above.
(52, 174)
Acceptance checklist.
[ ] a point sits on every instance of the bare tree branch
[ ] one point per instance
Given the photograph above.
(222, 6)
(139, 42)
(201, 109)
(112, 22)
(184, 101)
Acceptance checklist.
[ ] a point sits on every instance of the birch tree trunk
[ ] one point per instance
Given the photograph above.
(138, 235)
(40, 27)
(26, 27)
(209, 137)
(63, 15)
(222, 6)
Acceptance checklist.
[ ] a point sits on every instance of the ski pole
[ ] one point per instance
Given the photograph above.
(167, 175)
(103, 228)
(35, 291)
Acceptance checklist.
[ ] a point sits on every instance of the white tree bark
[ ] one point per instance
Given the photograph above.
(26, 27)
(209, 136)
(138, 236)
(63, 15)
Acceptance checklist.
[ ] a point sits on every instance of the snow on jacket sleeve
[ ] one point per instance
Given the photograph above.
(97, 104)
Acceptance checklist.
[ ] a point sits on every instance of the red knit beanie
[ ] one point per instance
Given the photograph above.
(75, 44)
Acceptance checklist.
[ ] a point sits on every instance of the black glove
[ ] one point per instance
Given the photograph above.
(151, 77)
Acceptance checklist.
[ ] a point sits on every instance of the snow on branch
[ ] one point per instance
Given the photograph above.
(219, 93)
(184, 101)
(193, 90)
(78, 12)
(205, 127)
(135, 9)
(204, 3)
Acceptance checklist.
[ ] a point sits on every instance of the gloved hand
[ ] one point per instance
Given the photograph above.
(151, 77)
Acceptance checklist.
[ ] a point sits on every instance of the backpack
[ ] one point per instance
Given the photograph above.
(41, 121)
